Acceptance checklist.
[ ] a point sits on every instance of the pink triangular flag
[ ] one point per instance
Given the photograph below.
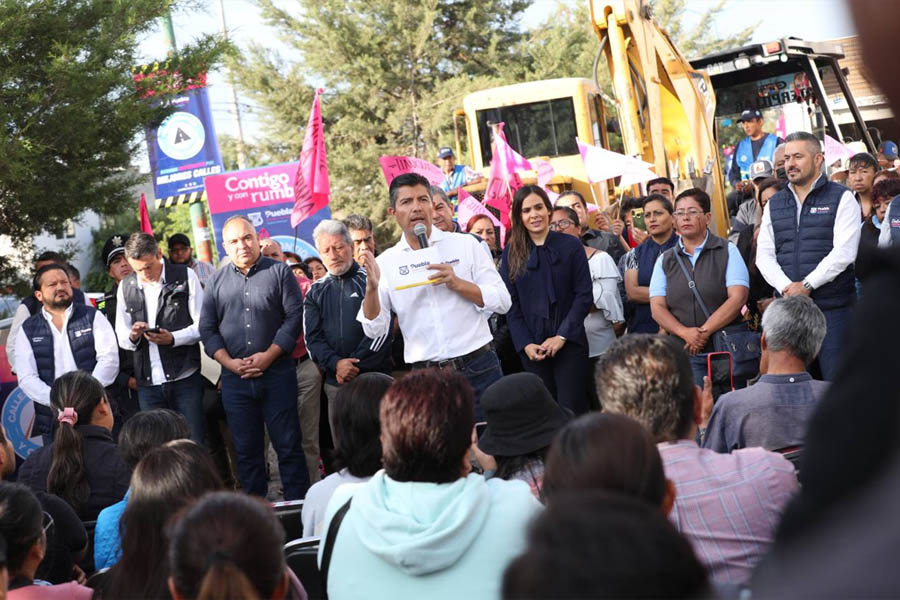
(601, 164)
(469, 207)
(146, 227)
(508, 160)
(312, 189)
(835, 151)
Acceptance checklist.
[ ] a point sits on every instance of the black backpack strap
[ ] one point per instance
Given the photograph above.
(329, 543)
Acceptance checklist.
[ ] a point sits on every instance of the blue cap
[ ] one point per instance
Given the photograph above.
(749, 115)
(445, 152)
(889, 149)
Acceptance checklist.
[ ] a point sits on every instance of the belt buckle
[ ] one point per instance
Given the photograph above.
(442, 364)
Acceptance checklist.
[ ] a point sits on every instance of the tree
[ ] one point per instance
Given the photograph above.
(384, 65)
(72, 113)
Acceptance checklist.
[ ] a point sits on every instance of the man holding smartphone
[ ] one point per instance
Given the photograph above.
(158, 317)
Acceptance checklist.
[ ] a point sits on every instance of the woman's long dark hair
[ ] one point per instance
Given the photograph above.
(357, 424)
(228, 545)
(68, 476)
(519, 245)
(21, 522)
(166, 481)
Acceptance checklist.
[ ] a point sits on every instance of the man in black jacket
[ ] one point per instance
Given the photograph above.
(334, 337)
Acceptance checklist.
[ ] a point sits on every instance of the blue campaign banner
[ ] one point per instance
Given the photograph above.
(183, 149)
(265, 196)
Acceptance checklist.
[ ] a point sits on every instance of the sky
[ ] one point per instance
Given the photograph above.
(806, 19)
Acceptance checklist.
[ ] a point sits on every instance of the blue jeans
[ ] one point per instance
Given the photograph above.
(837, 321)
(184, 396)
(481, 373)
(251, 406)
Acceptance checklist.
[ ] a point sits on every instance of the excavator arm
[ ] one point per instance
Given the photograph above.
(665, 107)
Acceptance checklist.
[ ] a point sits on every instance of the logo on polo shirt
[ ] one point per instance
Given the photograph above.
(18, 419)
(404, 270)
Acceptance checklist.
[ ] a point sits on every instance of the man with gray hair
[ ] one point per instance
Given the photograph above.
(158, 317)
(727, 505)
(363, 235)
(773, 413)
(334, 337)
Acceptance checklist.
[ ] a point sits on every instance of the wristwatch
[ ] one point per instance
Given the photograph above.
(807, 286)
(561, 337)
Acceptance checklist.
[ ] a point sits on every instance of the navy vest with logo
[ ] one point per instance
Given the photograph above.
(80, 331)
(646, 255)
(800, 248)
(893, 219)
(173, 313)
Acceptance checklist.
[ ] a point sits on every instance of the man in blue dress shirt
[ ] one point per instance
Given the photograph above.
(252, 313)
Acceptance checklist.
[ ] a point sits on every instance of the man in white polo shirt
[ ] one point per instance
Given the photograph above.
(439, 306)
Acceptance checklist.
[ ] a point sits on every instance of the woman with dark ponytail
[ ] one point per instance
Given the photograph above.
(229, 545)
(82, 465)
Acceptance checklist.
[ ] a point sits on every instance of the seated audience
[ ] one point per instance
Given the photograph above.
(522, 418)
(727, 505)
(229, 546)
(166, 481)
(425, 526)
(24, 527)
(82, 465)
(600, 545)
(773, 413)
(142, 433)
(357, 451)
(611, 453)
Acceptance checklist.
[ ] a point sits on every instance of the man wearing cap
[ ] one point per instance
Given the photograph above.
(181, 253)
(125, 386)
(887, 154)
(757, 145)
(747, 211)
(455, 176)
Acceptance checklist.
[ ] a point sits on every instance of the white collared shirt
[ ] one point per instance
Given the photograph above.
(19, 317)
(437, 323)
(105, 370)
(182, 337)
(845, 244)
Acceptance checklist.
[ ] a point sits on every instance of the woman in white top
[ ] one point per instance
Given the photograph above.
(605, 277)
(357, 444)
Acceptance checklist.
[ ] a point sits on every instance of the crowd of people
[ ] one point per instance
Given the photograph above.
(586, 405)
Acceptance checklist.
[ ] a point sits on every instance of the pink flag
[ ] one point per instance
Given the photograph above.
(312, 189)
(469, 207)
(835, 151)
(545, 173)
(636, 171)
(508, 160)
(392, 166)
(146, 227)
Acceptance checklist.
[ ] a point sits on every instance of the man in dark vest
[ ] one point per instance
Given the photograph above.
(158, 316)
(31, 305)
(808, 241)
(125, 387)
(62, 336)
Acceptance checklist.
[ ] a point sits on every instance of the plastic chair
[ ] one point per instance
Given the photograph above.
(301, 556)
(289, 512)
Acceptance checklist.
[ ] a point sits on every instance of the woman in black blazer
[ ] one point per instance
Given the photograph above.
(549, 281)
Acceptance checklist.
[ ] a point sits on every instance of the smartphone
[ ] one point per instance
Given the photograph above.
(153, 330)
(719, 370)
(637, 219)
(480, 427)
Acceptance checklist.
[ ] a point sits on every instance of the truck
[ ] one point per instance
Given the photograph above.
(678, 115)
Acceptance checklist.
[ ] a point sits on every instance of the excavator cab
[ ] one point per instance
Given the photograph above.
(795, 84)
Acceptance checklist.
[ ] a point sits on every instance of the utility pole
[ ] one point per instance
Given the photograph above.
(199, 226)
(234, 108)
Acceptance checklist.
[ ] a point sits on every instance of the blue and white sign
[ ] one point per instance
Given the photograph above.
(183, 149)
(18, 421)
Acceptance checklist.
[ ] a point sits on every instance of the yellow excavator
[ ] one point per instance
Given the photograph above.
(678, 115)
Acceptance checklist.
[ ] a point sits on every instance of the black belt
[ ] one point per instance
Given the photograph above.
(303, 358)
(453, 363)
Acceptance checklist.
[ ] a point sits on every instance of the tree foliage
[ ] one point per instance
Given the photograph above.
(70, 109)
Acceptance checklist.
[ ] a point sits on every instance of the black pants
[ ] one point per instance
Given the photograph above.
(564, 376)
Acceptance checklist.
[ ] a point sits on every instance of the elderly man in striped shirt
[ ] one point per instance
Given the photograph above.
(726, 505)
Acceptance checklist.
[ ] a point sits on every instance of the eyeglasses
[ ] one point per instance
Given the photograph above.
(691, 213)
(47, 522)
(562, 224)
